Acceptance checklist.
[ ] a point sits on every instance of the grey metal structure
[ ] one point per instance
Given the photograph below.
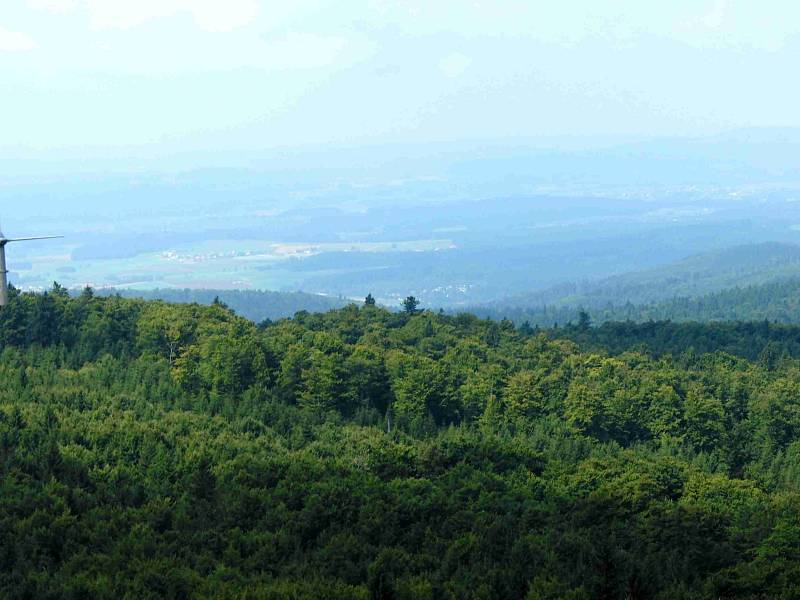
(3, 270)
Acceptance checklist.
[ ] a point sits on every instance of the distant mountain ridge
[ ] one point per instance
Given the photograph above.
(777, 301)
(700, 274)
(751, 282)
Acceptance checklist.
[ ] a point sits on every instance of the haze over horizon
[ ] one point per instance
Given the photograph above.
(371, 146)
(166, 83)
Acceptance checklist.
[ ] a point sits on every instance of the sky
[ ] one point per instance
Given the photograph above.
(157, 78)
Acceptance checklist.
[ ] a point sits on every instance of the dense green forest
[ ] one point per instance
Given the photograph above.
(256, 305)
(154, 450)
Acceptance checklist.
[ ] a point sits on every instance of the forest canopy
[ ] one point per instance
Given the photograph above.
(155, 450)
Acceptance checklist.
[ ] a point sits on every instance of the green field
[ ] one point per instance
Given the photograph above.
(217, 264)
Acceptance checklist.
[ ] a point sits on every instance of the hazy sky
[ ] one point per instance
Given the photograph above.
(99, 75)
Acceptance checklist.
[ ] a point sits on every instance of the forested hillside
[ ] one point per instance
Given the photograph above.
(754, 340)
(256, 305)
(778, 302)
(754, 282)
(150, 450)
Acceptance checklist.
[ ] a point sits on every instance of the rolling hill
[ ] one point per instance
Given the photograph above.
(755, 281)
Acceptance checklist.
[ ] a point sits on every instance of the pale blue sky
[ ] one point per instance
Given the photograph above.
(160, 77)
